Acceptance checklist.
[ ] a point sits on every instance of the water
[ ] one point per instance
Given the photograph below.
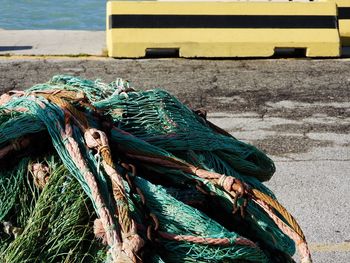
(51, 14)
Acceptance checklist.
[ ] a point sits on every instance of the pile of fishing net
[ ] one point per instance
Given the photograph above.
(94, 172)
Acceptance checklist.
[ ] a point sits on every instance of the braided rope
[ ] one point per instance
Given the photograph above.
(278, 207)
(131, 241)
(228, 184)
(6, 97)
(106, 217)
(300, 242)
(15, 145)
(64, 94)
(78, 116)
(112, 237)
(207, 240)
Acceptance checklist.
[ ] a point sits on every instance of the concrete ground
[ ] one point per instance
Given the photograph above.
(297, 110)
(51, 42)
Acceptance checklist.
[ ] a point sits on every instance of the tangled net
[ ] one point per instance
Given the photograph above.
(94, 172)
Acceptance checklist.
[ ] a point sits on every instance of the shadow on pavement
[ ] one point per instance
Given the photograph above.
(346, 52)
(14, 48)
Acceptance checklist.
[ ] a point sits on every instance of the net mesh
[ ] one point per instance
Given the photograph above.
(95, 172)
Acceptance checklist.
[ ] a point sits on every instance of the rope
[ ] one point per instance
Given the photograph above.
(15, 146)
(40, 173)
(132, 242)
(190, 173)
(78, 116)
(106, 218)
(232, 185)
(301, 243)
(207, 240)
(280, 209)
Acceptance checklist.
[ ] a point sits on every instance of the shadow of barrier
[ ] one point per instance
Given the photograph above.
(222, 29)
(14, 48)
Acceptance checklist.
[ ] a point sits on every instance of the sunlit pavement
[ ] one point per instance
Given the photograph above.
(297, 110)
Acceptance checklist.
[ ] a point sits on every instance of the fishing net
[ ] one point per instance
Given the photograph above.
(59, 228)
(95, 172)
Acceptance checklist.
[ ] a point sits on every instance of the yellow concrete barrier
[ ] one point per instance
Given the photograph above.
(221, 29)
(344, 21)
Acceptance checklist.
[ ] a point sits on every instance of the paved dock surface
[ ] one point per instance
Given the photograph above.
(51, 42)
(298, 111)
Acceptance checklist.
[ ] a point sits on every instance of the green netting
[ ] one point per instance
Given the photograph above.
(260, 223)
(10, 182)
(177, 218)
(48, 123)
(160, 119)
(59, 228)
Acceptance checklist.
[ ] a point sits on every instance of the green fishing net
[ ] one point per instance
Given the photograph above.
(181, 217)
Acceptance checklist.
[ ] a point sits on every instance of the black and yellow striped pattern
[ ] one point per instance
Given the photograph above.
(222, 29)
(344, 21)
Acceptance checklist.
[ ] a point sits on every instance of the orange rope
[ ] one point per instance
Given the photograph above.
(280, 209)
(78, 116)
(131, 241)
(228, 183)
(207, 240)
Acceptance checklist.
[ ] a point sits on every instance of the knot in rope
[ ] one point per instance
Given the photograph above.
(132, 245)
(96, 139)
(103, 149)
(40, 173)
(237, 188)
(226, 182)
(116, 254)
(229, 183)
(99, 231)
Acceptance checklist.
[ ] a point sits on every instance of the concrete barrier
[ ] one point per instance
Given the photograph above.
(344, 21)
(221, 29)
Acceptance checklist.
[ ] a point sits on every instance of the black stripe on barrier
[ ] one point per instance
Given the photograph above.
(221, 21)
(344, 12)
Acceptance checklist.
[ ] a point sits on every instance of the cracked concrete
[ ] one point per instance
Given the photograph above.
(298, 111)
